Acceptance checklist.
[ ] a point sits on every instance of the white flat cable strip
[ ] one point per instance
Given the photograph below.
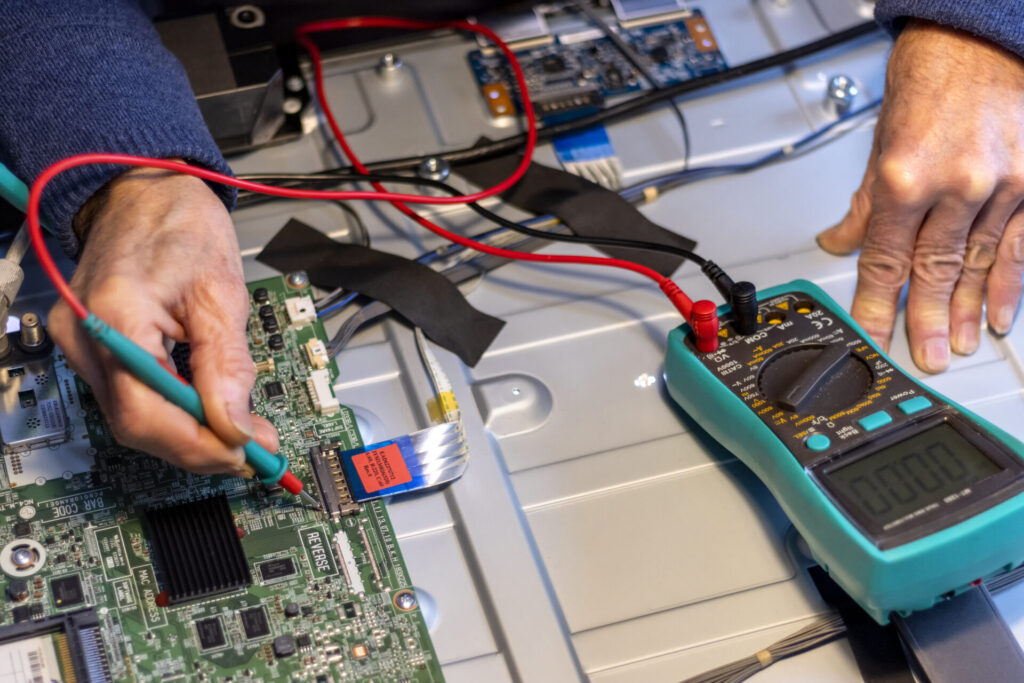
(437, 374)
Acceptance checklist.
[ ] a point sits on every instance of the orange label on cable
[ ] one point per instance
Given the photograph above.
(381, 468)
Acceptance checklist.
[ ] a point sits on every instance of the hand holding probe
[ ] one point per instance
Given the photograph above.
(151, 371)
(147, 368)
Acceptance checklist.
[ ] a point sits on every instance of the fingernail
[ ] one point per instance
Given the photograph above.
(1004, 319)
(245, 471)
(936, 355)
(966, 340)
(239, 415)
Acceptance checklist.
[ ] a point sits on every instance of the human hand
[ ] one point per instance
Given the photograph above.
(160, 262)
(941, 200)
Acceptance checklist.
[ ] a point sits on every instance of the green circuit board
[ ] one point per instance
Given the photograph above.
(141, 571)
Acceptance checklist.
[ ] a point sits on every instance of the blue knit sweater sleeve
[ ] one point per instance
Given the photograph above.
(1001, 21)
(91, 76)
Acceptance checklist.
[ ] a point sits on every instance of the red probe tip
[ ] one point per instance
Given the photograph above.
(293, 485)
(704, 321)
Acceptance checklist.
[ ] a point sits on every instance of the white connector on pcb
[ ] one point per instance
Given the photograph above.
(316, 353)
(321, 393)
(301, 311)
(349, 568)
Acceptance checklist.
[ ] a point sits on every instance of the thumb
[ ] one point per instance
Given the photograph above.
(222, 369)
(846, 236)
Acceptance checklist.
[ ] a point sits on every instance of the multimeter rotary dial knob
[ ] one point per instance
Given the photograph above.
(814, 378)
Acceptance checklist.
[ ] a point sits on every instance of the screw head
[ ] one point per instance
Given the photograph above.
(434, 168)
(405, 600)
(247, 16)
(840, 94)
(389, 65)
(298, 279)
(291, 105)
(22, 557)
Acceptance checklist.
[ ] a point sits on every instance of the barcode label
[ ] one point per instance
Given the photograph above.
(35, 662)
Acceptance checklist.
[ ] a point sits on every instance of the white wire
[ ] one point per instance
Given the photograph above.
(437, 374)
(327, 298)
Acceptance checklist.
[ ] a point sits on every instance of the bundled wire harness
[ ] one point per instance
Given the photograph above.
(818, 633)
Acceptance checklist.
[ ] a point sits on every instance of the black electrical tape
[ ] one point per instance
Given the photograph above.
(421, 295)
(876, 648)
(587, 208)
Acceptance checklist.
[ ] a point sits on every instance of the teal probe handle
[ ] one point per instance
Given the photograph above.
(13, 190)
(145, 366)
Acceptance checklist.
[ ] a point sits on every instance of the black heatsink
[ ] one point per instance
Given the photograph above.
(198, 552)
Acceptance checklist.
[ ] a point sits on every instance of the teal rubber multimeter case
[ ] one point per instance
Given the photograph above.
(903, 496)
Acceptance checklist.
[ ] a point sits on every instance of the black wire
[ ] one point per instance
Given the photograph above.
(632, 193)
(500, 220)
(661, 184)
(515, 142)
(362, 234)
(678, 110)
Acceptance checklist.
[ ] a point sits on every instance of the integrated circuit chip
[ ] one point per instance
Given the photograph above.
(67, 591)
(553, 64)
(273, 390)
(211, 633)
(254, 622)
(276, 569)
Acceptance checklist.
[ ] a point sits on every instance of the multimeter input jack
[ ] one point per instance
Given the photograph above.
(743, 299)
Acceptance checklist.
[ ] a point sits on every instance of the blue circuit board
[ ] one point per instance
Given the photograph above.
(569, 74)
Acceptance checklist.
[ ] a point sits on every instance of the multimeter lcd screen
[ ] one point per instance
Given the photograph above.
(913, 475)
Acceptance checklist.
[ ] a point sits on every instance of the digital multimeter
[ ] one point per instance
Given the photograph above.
(903, 496)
